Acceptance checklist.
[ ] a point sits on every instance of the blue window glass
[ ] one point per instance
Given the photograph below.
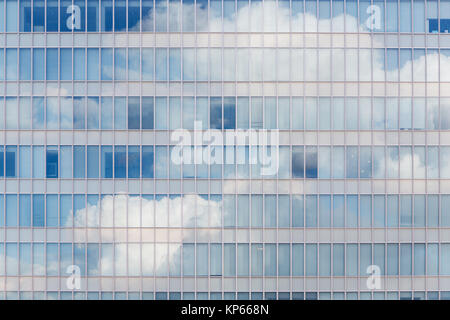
(66, 161)
(147, 15)
(65, 14)
(120, 162)
(52, 15)
(161, 121)
(38, 64)
(93, 112)
(311, 211)
(229, 252)
(25, 16)
(38, 15)
(365, 208)
(93, 15)
(147, 64)
(52, 113)
(51, 210)
(120, 113)
(11, 15)
(38, 210)
(120, 15)
(311, 260)
(107, 60)
(147, 162)
(161, 64)
(133, 113)
(311, 162)
(79, 161)
(25, 210)
(10, 161)
(65, 217)
(161, 162)
(52, 162)
(106, 113)
(134, 15)
(11, 210)
(134, 168)
(38, 162)
(229, 113)
(120, 64)
(147, 113)
(66, 64)
(134, 67)
(11, 64)
(2, 63)
(66, 115)
(107, 162)
(92, 162)
(107, 15)
(78, 64)
(12, 111)
(25, 113)
(78, 113)
(52, 68)
(78, 16)
(215, 112)
(24, 161)
(92, 64)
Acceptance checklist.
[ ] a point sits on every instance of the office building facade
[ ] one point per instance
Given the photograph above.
(224, 149)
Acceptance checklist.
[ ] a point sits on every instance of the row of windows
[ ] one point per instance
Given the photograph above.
(190, 15)
(159, 162)
(160, 295)
(229, 211)
(227, 259)
(170, 113)
(228, 64)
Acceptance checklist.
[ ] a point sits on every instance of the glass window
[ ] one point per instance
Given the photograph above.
(92, 161)
(133, 113)
(120, 162)
(270, 260)
(134, 167)
(66, 161)
(229, 258)
(107, 15)
(92, 15)
(92, 64)
(11, 15)
(52, 162)
(79, 113)
(10, 161)
(107, 61)
(38, 210)
(79, 161)
(311, 211)
(311, 260)
(25, 15)
(107, 162)
(147, 161)
(120, 112)
(52, 68)
(24, 210)
(311, 162)
(52, 210)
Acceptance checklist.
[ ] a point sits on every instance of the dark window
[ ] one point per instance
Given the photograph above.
(11, 161)
(120, 162)
(52, 162)
(133, 113)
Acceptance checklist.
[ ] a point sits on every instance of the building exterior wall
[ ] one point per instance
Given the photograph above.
(99, 200)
